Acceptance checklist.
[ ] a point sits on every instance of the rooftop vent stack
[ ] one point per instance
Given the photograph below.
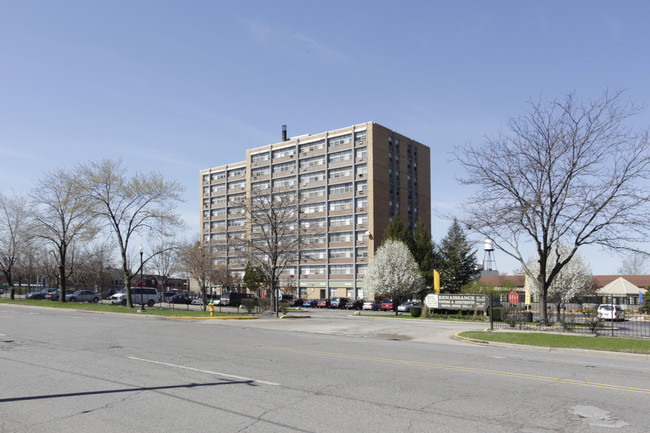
(284, 132)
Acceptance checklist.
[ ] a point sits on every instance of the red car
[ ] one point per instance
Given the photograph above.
(323, 303)
(387, 305)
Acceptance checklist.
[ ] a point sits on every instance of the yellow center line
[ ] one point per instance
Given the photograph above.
(465, 369)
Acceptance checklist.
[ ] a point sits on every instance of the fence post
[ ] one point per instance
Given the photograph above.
(491, 315)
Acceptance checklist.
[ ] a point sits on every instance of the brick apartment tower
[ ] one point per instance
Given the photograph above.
(349, 183)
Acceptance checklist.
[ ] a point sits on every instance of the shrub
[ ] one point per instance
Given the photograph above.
(284, 307)
(496, 314)
(248, 304)
(265, 304)
(511, 315)
(416, 311)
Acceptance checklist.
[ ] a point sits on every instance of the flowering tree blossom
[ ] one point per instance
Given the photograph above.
(393, 273)
(574, 280)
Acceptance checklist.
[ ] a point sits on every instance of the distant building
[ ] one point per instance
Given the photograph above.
(348, 182)
(618, 289)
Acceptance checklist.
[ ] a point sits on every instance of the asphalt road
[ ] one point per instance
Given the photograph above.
(75, 371)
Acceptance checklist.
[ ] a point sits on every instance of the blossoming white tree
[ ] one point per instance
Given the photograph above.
(574, 280)
(393, 273)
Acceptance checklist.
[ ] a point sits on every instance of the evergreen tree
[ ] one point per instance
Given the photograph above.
(423, 252)
(397, 231)
(456, 260)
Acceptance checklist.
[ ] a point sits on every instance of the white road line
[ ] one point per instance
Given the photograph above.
(216, 373)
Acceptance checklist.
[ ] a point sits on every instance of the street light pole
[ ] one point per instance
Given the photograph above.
(141, 310)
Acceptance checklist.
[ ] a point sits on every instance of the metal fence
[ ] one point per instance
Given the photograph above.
(579, 318)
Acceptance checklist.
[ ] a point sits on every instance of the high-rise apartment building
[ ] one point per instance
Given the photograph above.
(347, 185)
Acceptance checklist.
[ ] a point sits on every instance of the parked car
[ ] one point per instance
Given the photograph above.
(338, 302)
(234, 299)
(40, 294)
(406, 307)
(83, 296)
(168, 295)
(296, 302)
(611, 312)
(371, 305)
(354, 305)
(53, 295)
(139, 295)
(310, 303)
(323, 303)
(180, 298)
(387, 305)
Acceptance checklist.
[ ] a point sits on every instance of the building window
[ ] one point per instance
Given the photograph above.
(362, 153)
(341, 269)
(260, 157)
(312, 177)
(340, 221)
(312, 162)
(339, 141)
(283, 153)
(310, 147)
(340, 205)
(360, 136)
(262, 171)
(237, 172)
(340, 253)
(219, 175)
(341, 237)
(340, 172)
(344, 188)
(340, 156)
(286, 167)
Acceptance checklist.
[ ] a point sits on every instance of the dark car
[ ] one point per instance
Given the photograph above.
(387, 305)
(323, 303)
(53, 295)
(168, 295)
(180, 298)
(39, 295)
(296, 302)
(310, 303)
(354, 305)
(338, 302)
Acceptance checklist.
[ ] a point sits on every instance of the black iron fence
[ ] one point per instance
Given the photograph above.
(577, 317)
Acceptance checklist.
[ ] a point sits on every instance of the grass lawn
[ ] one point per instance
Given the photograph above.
(179, 310)
(541, 339)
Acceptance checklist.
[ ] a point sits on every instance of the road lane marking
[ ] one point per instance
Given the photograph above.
(215, 373)
(466, 369)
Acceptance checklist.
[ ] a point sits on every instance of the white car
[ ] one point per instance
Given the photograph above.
(139, 295)
(611, 312)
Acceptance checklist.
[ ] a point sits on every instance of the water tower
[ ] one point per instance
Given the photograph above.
(489, 263)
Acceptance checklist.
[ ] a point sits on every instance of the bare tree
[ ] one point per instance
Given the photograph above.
(572, 282)
(14, 235)
(635, 264)
(63, 216)
(131, 206)
(199, 265)
(274, 240)
(568, 172)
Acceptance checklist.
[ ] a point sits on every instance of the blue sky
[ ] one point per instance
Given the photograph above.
(179, 86)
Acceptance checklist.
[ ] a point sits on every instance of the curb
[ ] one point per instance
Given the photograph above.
(287, 316)
(470, 340)
(212, 318)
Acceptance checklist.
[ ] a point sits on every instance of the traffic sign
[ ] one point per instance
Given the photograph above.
(513, 297)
